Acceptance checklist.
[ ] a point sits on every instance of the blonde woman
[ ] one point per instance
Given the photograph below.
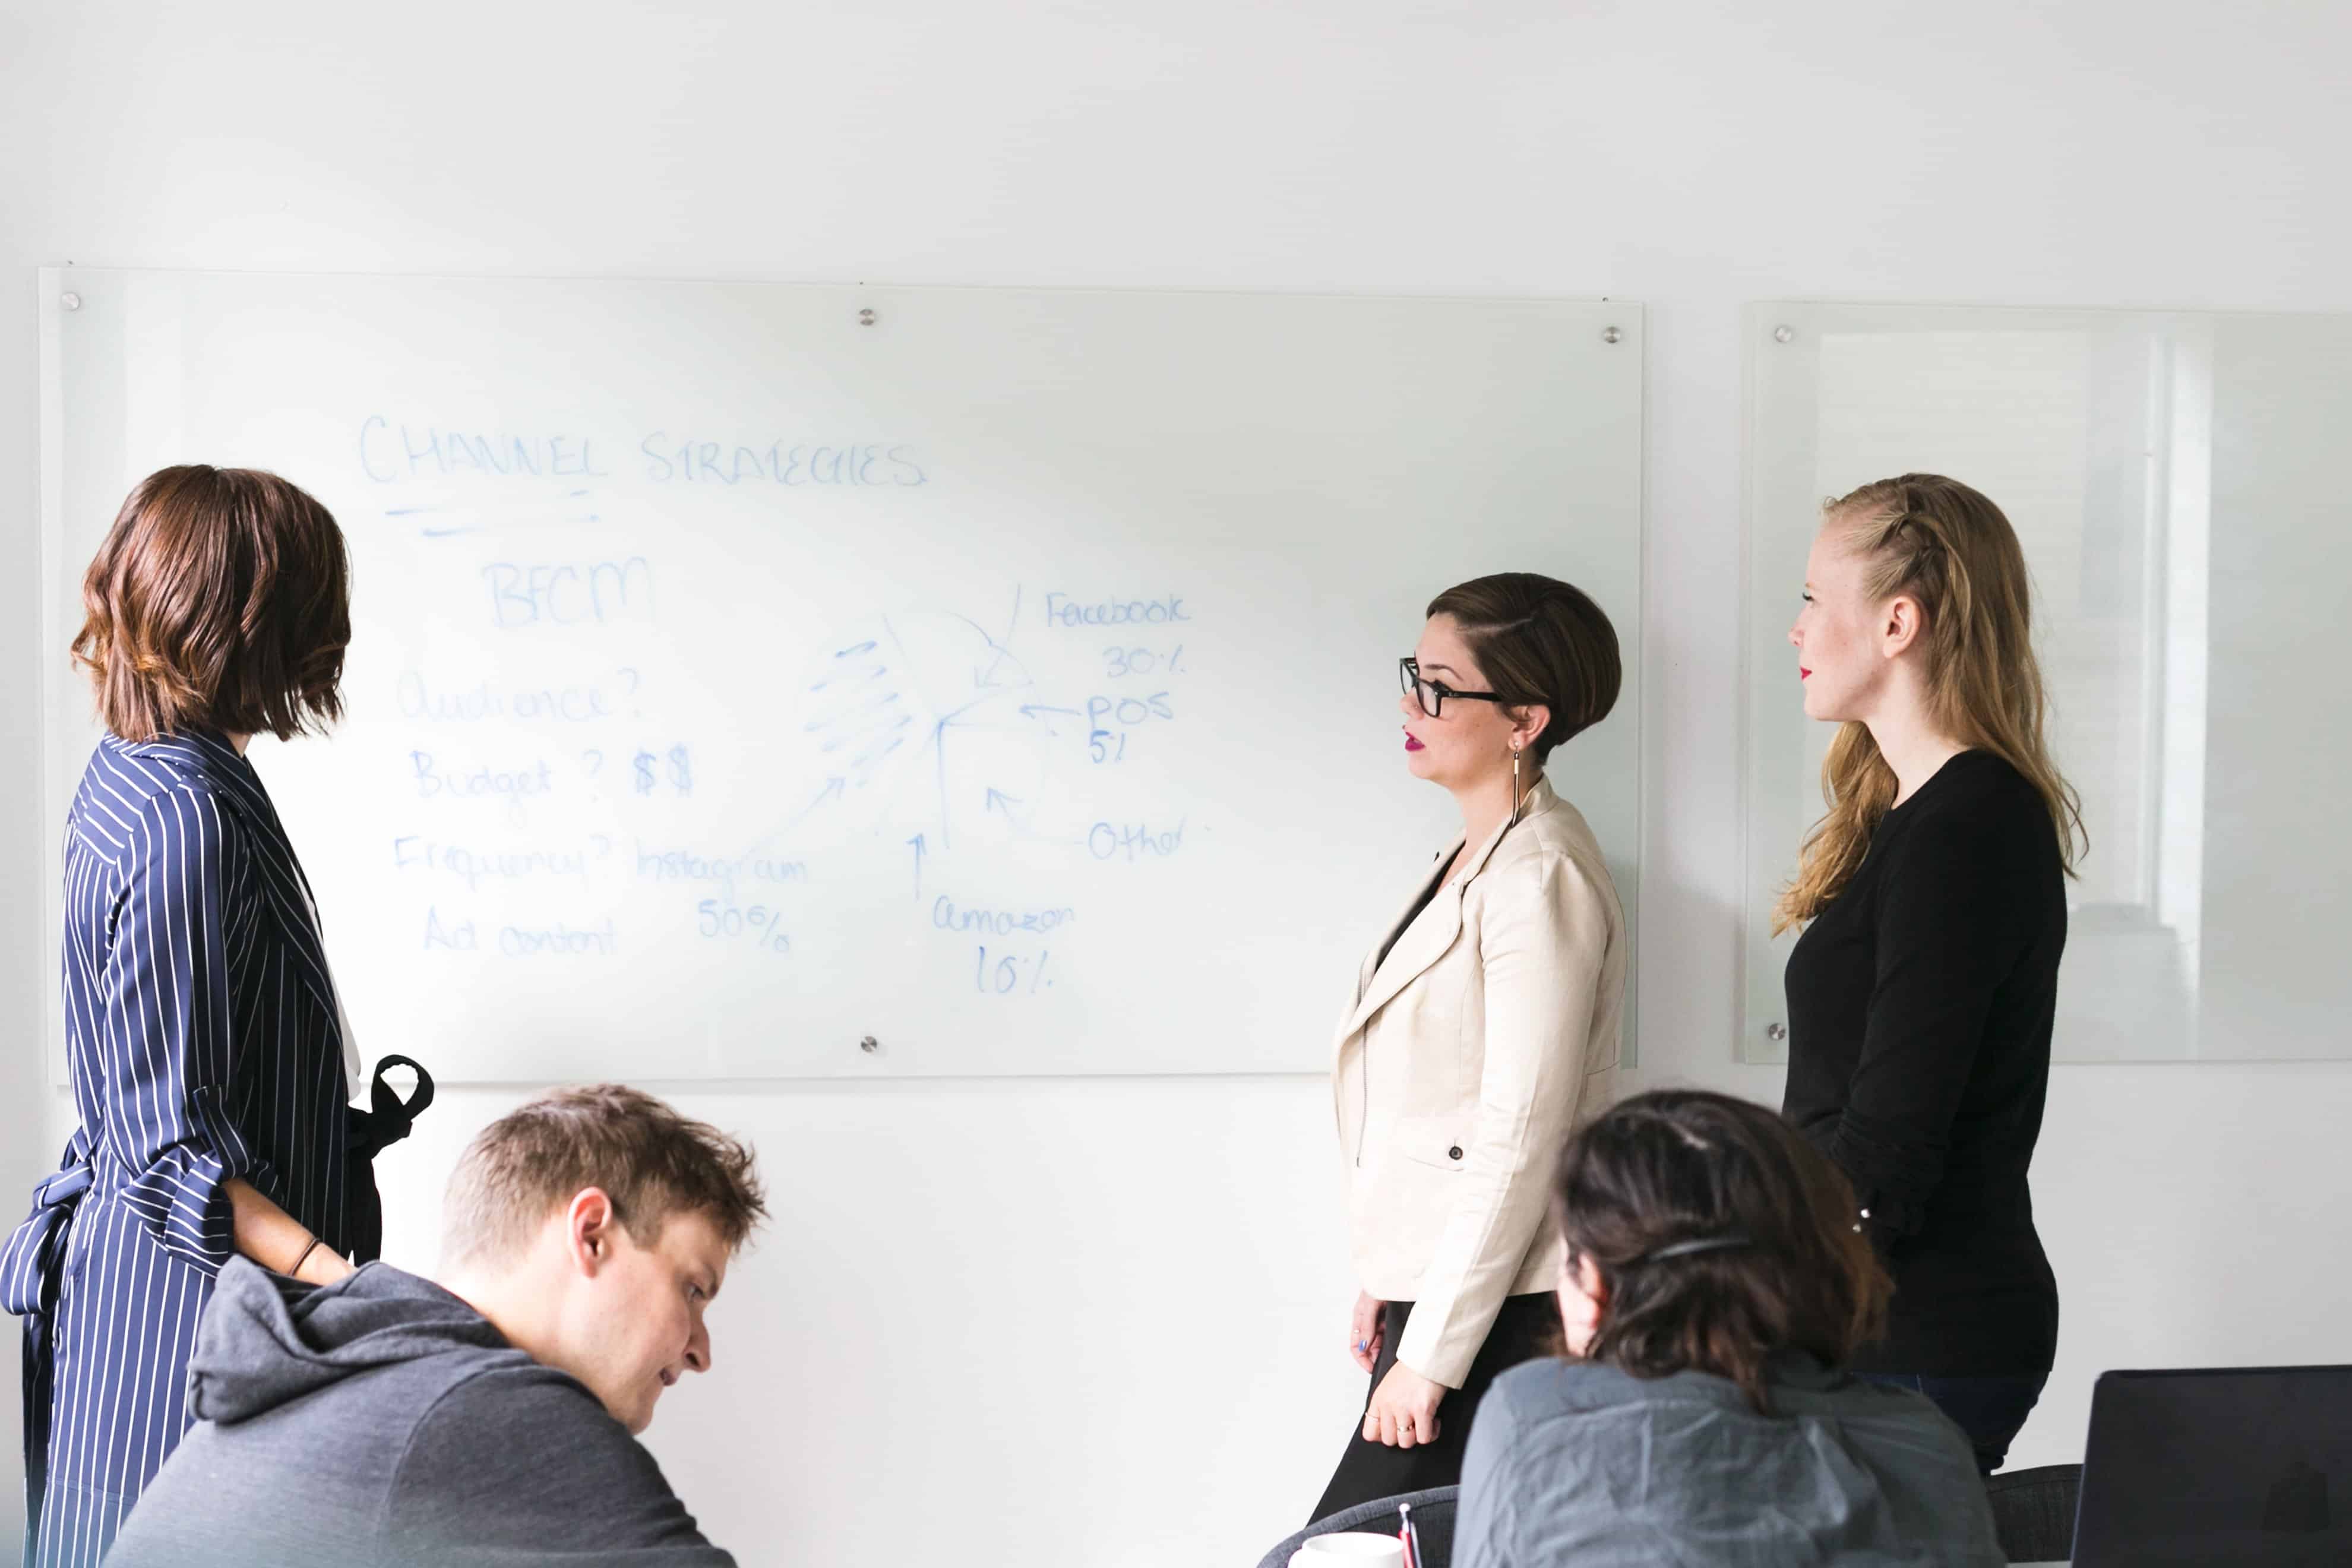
(1933, 896)
(1482, 1028)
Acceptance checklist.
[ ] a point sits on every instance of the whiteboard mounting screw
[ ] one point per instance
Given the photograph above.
(1610, 335)
(70, 302)
(866, 317)
(869, 1044)
(1782, 335)
(1776, 1031)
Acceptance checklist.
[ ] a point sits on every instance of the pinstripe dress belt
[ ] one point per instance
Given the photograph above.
(32, 1264)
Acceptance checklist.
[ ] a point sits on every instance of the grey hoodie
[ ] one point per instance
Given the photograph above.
(384, 1423)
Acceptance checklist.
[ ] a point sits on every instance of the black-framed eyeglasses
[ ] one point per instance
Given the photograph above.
(1431, 694)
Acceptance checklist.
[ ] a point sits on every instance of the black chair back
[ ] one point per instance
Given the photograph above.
(2034, 1511)
(1433, 1525)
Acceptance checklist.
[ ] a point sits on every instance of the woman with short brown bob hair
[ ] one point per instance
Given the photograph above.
(210, 1062)
(219, 602)
(1714, 1289)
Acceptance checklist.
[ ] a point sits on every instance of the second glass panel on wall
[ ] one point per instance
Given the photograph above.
(2166, 474)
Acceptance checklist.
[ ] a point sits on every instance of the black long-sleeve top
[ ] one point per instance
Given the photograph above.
(1920, 1005)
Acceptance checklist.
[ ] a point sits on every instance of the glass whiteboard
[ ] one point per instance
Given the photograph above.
(2175, 480)
(757, 681)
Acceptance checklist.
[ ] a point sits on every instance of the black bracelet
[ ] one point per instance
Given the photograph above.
(304, 1259)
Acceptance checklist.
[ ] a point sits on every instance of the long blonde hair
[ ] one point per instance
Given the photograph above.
(1937, 541)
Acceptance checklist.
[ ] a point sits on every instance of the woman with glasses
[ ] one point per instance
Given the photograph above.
(1484, 1028)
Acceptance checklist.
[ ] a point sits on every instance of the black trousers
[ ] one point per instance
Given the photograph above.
(1526, 1327)
(1991, 1410)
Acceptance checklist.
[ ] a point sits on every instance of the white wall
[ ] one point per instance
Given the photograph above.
(1108, 1315)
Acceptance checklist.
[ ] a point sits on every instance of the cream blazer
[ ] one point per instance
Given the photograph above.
(1490, 1030)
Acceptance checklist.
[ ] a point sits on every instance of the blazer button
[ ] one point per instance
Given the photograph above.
(1454, 1152)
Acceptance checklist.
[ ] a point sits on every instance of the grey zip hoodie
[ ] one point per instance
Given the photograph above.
(384, 1423)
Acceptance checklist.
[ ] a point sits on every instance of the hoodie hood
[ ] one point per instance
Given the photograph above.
(267, 1340)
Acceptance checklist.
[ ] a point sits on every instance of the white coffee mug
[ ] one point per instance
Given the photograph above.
(1356, 1548)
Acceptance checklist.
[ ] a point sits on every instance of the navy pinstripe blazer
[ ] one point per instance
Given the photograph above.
(202, 1031)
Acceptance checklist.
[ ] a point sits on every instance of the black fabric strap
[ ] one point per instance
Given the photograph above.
(388, 1119)
(373, 1130)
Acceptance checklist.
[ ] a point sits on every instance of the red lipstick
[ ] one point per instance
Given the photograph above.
(1412, 745)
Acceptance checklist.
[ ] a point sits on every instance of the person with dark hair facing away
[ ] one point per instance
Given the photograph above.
(490, 1420)
(211, 1061)
(1484, 1025)
(1713, 1288)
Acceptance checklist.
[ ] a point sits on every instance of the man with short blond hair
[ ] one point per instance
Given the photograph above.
(490, 1419)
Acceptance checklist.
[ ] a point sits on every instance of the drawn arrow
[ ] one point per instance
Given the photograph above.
(986, 678)
(1032, 710)
(832, 791)
(918, 842)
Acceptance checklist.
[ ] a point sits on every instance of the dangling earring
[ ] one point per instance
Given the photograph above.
(1515, 784)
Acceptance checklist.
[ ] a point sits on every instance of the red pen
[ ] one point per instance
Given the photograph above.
(1406, 1533)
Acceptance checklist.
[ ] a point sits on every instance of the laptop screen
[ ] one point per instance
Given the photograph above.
(2249, 1465)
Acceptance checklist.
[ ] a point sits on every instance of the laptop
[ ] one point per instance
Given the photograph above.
(2233, 1465)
